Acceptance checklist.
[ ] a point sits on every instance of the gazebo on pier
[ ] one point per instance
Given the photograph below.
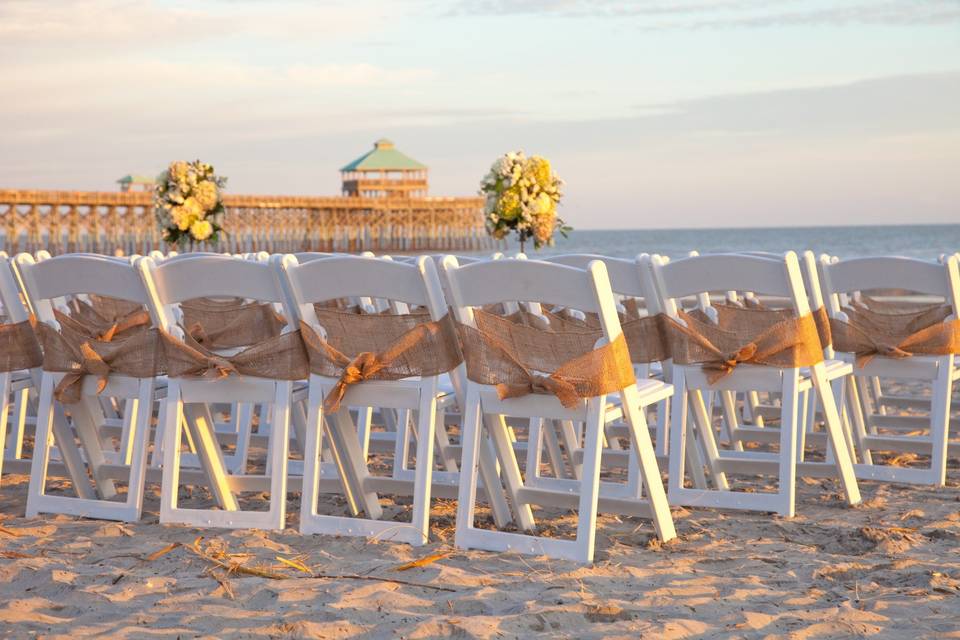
(384, 172)
(136, 183)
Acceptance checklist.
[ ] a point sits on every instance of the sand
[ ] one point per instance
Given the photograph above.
(887, 569)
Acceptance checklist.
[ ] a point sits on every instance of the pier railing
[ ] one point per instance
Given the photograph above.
(111, 222)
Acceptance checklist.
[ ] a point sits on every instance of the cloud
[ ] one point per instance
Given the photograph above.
(693, 14)
(51, 26)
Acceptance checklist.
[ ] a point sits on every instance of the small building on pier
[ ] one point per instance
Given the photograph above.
(384, 172)
(136, 183)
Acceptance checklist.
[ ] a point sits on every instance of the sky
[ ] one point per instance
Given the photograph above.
(656, 113)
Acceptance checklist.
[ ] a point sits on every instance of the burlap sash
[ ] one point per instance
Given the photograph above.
(19, 348)
(75, 352)
(105, 317)
(518, 360)
(869, 333)
(281, 357)
(228, 324)
(770, 338)
(380, 347)
(756, 316)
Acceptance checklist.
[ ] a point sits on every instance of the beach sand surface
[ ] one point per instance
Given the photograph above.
(887, 569)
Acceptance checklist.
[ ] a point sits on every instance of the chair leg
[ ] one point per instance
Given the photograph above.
(553, 449)
(447, 457)
(571, 444)
(642, 449)
(85, 420)
(470, 439)
(704, 427)
(401, 446)
(52, 426)
(4, 415)
(534, 450)
(280, 432)
(313, 443)
(678, 436)
(364, 426)
(838, 441)
(788, 442)
(940, 419)
(855, 411)
(426, 423)
(729, 405)
(590, 482)
(140, 410)
(194, 418)
(345, 443)
(497, 429)
(502, 515)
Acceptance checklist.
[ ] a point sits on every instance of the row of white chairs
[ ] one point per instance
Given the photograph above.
(585, 445)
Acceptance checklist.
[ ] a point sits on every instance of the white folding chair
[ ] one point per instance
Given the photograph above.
(626, 281)
(845, 280)
(409, 284)
(188, 399)
(44, 282)
(734, 272)
(500, 281)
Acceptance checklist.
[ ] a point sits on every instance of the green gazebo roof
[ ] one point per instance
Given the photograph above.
(383, 156)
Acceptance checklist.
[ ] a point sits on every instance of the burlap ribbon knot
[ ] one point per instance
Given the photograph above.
(76, 353)
(104, 317)
(518, 359)
(773, 339)
(388, 347)
(279, 358)
(869, 333)
(364, 367)
(565, 390)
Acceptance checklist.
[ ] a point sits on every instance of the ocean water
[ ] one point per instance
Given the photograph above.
(917, 241)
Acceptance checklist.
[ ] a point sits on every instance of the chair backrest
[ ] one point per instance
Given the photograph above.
(192, 276)
(358, 278)
(504, 281)
(13, 305)
(75, 274)
(625, 275)
(726, 272)
(842, 279)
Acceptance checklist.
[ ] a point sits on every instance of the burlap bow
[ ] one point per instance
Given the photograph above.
(771, 339)
(869, 333)
(557, 385)
(74, 352)
(279, 358)
(518, 359)
(388, 347)
(104, 317)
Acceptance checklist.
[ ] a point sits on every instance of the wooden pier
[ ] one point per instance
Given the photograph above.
(113, 222)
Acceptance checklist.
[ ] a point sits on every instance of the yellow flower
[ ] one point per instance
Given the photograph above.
(206, 194)
(179, 170)
(193, 207)
(201, 229)
(182, 218)
(538, 170)
(508, 207)
(545, 204)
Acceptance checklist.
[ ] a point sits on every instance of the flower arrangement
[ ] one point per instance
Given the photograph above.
(522, 196)
(187, 201)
